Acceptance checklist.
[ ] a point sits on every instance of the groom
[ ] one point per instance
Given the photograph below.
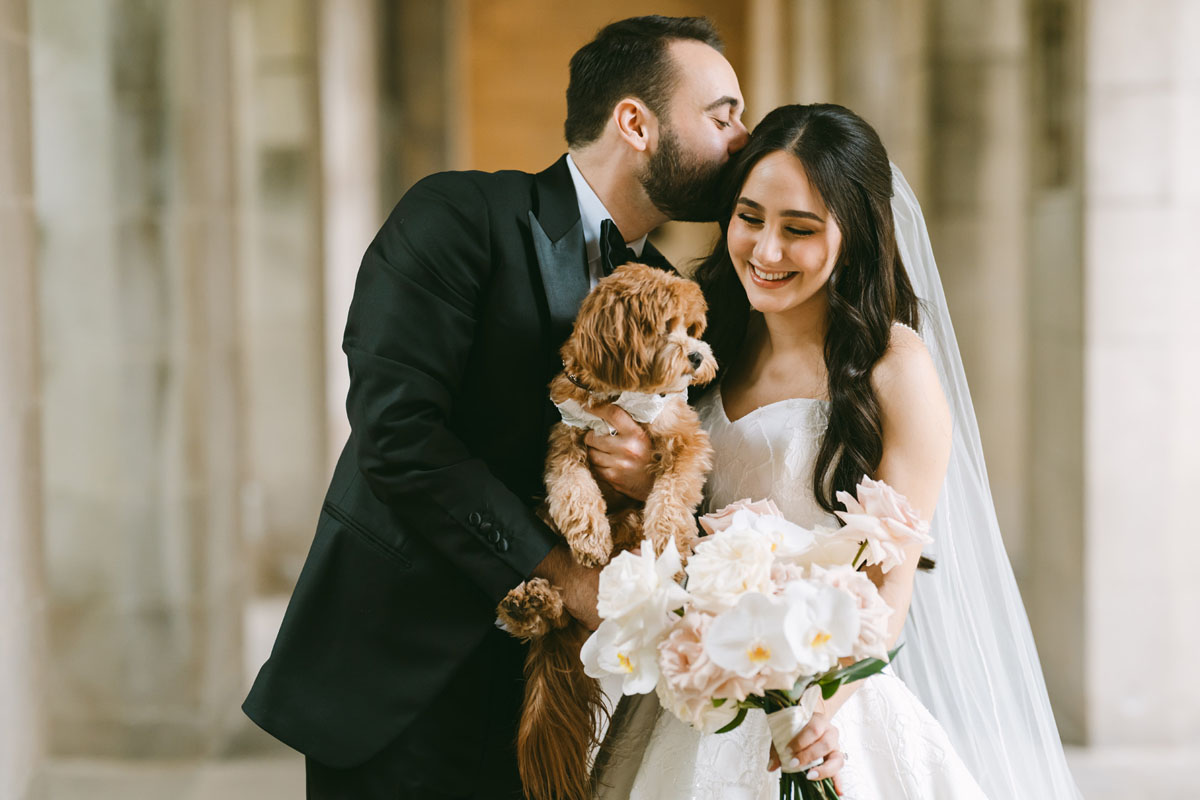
(388, 672)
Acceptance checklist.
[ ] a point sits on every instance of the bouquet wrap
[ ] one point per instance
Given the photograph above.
(786, 724)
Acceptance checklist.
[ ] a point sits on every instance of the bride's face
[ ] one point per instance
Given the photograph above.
(782, 240)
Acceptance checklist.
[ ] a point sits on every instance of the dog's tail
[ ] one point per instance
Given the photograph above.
(559, 720)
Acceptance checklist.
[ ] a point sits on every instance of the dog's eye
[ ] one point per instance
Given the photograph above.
(694, 330)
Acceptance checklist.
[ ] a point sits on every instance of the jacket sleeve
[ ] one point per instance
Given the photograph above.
(409, 333)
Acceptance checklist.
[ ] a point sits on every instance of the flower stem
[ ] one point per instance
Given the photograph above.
(854, 561)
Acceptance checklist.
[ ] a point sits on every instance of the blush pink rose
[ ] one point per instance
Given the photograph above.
(720, 520)
(883, 518)
(692, 679)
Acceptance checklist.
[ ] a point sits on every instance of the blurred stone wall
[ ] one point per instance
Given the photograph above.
(22, 600)
(136, 203)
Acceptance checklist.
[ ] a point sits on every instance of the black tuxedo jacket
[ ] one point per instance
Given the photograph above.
(461, 304)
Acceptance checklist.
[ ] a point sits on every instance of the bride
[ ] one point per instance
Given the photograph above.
(838, 360)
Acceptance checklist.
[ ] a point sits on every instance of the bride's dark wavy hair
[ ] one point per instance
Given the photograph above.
(868, 289)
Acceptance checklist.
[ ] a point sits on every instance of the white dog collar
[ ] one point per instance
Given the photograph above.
(644, 407)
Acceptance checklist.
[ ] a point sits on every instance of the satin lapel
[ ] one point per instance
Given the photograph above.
(558, 244)
(564, 275)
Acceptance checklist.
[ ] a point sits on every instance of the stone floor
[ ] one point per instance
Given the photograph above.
(258, 778)
(1127, 775)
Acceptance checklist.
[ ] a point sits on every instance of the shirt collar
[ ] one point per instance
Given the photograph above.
(592, 212)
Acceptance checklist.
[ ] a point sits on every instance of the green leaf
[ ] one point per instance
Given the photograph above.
(741, 715)
(718, 701)
(830, 682)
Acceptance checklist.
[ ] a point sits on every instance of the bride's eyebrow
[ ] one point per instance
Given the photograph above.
(789, 212)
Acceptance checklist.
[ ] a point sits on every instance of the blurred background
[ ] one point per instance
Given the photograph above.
(187, 186)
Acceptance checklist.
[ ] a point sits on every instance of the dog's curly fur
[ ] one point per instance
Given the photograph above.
(639, 330)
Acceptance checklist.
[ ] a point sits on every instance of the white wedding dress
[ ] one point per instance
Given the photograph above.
(895, 749)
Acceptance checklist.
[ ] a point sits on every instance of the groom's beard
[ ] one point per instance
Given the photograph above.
(684, 187)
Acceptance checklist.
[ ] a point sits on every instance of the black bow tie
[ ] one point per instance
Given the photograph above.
(613, 250)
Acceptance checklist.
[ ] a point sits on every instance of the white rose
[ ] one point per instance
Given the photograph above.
(641, 585)
(700, 713)
(726, 566)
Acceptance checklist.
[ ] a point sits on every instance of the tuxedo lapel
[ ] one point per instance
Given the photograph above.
(557, 234)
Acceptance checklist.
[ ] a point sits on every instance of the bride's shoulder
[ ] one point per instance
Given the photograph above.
(905, 379)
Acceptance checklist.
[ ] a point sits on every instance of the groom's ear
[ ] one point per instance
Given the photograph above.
(635, 122)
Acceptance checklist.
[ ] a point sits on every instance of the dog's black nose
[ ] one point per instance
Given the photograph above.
(695, 359)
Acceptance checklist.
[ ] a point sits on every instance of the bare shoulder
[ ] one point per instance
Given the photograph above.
(907, 385)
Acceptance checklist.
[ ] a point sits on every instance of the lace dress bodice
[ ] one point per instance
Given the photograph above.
(768, 453)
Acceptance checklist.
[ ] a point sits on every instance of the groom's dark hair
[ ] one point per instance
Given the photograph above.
(628, 58)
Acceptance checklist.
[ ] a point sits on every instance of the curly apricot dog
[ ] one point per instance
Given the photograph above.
(635, 344)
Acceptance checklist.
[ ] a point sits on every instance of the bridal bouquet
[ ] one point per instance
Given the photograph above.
(768, 615)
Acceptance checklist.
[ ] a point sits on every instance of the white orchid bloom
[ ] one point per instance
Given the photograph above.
(822, 624)
(751, 637)
(830, 546)
(789, 541)
(610, 650)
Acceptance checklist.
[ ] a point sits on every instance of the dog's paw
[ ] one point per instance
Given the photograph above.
(594, 548)
(671, 523)
(531, 610)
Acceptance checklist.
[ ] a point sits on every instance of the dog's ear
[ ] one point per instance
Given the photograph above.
(611, 347)
(695, 309)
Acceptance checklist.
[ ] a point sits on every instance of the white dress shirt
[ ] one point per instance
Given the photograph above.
(593, 213)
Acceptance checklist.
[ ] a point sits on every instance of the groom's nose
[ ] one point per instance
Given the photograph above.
(739, 138)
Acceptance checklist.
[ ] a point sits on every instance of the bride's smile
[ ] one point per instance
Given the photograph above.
(782, 239)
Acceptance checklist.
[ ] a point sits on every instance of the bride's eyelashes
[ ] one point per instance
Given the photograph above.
(755, 221)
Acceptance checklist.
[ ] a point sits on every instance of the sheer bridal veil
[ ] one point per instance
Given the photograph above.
(969, 653)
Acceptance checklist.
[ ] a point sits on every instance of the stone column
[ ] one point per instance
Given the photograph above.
(1055, 546)
(134, 194)
(349, 129)
(1142, 430)
(279, 285)
(881, 70)
(976, 206)
(22, 600)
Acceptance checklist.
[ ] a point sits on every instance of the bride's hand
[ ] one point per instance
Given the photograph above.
(819, 739)
(623, 459)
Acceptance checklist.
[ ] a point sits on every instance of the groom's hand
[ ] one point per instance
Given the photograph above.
(579, 585)
(623, 459)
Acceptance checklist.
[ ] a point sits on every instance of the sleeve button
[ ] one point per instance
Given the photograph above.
(475, 518)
